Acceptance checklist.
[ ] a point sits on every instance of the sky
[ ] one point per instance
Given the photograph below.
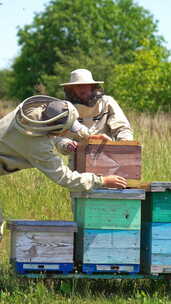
(17, 13)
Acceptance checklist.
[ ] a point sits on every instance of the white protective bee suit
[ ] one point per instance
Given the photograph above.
(25, 143)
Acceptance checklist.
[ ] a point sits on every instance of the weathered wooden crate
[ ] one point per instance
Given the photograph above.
(156, 229)
(108, 238)
(107, 157)
(42, 245)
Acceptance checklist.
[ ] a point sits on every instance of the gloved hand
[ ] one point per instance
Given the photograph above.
(71, 146)
(114, 181)
(100, 137)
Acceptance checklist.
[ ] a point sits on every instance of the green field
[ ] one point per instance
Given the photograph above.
(30, 195)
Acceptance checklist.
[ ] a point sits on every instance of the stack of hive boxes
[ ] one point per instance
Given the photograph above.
(109, 221)
(108, 238)
(156, 229)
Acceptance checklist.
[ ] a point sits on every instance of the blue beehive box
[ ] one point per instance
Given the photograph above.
(42, 245)
(156, 229)
(109, 222)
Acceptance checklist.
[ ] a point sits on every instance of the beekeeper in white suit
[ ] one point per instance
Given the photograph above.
(27, 141)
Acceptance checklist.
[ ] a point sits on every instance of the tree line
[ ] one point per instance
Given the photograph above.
(116, 39)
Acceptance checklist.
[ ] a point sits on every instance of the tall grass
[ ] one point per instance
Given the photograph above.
(154, 133)
(30, 195)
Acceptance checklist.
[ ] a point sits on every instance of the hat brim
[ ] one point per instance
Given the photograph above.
(75, 83)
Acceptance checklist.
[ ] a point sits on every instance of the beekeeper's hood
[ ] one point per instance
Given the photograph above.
(39, 115)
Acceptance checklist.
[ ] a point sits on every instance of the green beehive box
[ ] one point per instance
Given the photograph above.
(161, 202)
(108, 209)
(157, 206)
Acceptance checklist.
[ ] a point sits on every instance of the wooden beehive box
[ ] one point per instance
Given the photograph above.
(107, 157)
(42, 245)
(156, 229)
(109, 222)
(110, 250)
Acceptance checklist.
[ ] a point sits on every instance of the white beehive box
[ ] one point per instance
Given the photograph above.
(42, 245)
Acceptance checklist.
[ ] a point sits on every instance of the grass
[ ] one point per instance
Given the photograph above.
(134, 292)
(30, 195)
(154, 133)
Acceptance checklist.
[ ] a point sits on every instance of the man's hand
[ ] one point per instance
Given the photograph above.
(114, 181)
(72, 146)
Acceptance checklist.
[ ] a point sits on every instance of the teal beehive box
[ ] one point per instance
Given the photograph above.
(156, 229)
(108, 209)
(109, 222)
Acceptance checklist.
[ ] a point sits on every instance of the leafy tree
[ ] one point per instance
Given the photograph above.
(99, 63)
(144, 84)
(6, 78)
(110, 29)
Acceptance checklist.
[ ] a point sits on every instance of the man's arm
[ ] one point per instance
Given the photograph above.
(47, 161)
(117, 122)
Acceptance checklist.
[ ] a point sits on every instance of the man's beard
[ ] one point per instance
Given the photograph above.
(90, 102)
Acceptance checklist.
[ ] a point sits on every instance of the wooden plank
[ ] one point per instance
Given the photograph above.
(41, 229)
(161, 231)
(136, 194)
(106, 158)
(161, 202)
(43, 223)
(41, 247)
(111, 246)
(112, 143)
(115, 268)
(137, 184)
(157, 269)
(24, 267)
(42, 226)
(145, 251)
(161, 244)
(79, 162)
(146, 232)
(155, 247)
(108, 214)
(160, 186)
(110, 162)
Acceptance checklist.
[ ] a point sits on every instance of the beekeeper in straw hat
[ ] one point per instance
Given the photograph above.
(99, 112)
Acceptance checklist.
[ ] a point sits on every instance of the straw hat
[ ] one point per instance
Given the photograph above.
(81, 76)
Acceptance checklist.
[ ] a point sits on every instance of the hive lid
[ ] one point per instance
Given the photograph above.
(112, 194)
(52, 225)
(160, 186)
